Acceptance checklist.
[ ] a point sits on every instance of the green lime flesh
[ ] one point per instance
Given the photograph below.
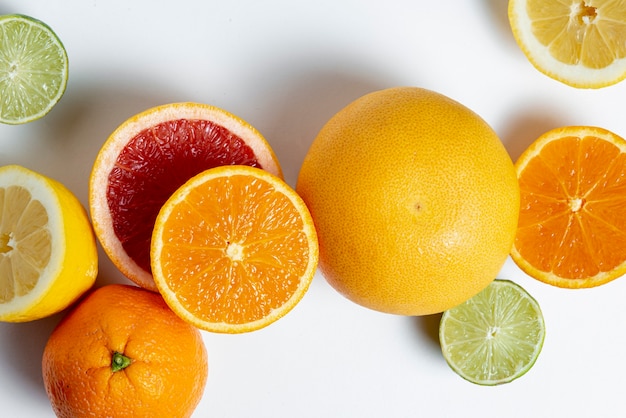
(33, 69)
(494, 337)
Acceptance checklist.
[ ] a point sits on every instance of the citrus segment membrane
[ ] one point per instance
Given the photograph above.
(580, 43)
(25, 242)
(33, 69)
(572, 232)
(494, 337)
(233, 249)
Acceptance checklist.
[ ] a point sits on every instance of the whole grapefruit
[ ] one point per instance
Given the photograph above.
(415, 200)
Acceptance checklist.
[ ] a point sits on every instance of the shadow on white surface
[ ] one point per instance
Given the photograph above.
(298, 108)
(22, 344)
(427, 328)
(498, 10)
(526, 126)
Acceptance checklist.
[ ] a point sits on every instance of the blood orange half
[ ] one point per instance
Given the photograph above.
(150, 156)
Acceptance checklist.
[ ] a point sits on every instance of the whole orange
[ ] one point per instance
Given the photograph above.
(414, 198)
(123, 353)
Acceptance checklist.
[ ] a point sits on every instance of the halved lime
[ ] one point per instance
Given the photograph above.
(494, 337)
(33, 69)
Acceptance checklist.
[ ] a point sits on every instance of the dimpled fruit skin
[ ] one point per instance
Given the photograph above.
(415, 200)
(168, 366)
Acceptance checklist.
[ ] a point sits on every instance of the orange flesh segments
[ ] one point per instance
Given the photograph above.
(573, 197)
(260, 235)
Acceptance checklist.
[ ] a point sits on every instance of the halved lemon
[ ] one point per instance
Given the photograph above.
(48, 256)
(581, 43)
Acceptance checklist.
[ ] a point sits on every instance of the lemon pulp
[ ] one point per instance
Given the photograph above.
(48, 255)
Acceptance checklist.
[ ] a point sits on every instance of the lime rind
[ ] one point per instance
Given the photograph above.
(33, 69)
(494, 337)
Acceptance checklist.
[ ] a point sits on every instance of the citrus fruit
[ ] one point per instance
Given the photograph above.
(572, 229)
(33, 69)
(494, 337)
(414, 198)
(123, 353)
(579, 43)
(147, 158)
(234, 249)
(48, 255)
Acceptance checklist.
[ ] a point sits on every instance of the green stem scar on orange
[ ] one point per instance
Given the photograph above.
(119, 361)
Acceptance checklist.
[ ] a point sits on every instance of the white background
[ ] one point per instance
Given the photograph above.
(286, 67)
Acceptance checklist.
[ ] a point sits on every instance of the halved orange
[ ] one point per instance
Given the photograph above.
(572, 228)
(234, 249)
(147, 158)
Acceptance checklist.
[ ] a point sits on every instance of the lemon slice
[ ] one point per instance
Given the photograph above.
(579, 43)
(48, 254)
(33, 69)
(494, 337)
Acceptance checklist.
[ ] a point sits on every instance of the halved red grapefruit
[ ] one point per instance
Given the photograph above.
(147, 158)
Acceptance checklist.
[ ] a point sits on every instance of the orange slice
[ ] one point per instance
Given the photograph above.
(572, 228)
(581, 43)
(234, 249)
(147, 158)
